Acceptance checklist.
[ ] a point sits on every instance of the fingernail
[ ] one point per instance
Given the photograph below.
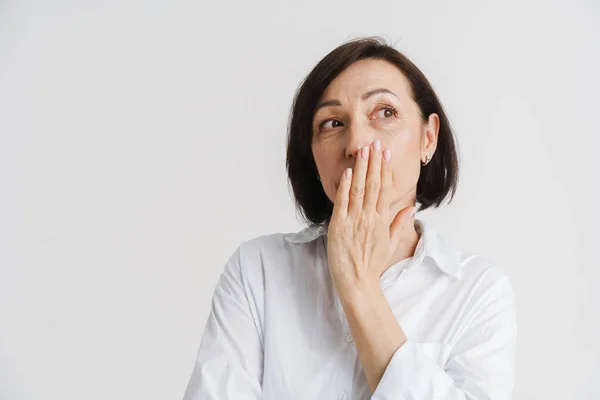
(348, 173)
(377, 145)
(365, 152)
(387, 154)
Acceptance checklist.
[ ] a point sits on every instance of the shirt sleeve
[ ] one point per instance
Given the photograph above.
(230, 359)
(480, 366)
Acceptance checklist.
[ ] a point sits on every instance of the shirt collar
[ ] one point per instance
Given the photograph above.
(431, 244)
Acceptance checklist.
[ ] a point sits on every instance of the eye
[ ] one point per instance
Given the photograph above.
(386, 112)
(330, 124)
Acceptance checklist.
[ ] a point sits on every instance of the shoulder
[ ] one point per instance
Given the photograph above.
(479, 267)
(484, 281)
(482, 291)
(259, 254)
(278, 243)
(483, 271)
(477, 273)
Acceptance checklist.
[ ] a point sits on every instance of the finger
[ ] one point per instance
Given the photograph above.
(340, 207)
(373, 180)
(400, 223)
(384, 202)
(357, 190)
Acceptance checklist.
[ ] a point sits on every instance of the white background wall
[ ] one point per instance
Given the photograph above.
(140, 142)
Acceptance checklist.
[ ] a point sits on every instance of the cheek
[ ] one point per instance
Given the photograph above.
(319, 154)
(327, 165)
(403, 169)
(405, 162)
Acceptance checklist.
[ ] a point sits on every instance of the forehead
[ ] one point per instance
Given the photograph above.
(365, 75)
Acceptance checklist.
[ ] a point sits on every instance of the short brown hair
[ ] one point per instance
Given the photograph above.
(437, 180)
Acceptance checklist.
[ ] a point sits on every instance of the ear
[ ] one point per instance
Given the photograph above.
(430, 136)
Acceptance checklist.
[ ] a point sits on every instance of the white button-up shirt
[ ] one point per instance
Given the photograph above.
(277, 330)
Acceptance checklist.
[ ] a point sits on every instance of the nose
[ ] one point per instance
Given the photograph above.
(357, 139)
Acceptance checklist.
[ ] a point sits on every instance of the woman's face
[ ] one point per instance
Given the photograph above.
(371, 100)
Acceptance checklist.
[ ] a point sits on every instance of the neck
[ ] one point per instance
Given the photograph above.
(409, 237)
(407, 244)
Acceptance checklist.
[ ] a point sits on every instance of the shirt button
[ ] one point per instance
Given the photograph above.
(349, 339)
(342, 396)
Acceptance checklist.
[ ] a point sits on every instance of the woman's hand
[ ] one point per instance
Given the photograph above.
(361, 238)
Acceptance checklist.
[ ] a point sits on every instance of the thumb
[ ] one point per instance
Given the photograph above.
(403, 217)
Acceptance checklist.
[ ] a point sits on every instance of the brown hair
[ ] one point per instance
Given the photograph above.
(438, 179)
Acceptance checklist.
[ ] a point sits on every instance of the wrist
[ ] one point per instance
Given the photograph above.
(359, 293)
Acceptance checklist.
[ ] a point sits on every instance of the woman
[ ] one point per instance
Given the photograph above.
(367, 301)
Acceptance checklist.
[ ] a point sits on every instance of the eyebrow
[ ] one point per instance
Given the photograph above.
(364, 97)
